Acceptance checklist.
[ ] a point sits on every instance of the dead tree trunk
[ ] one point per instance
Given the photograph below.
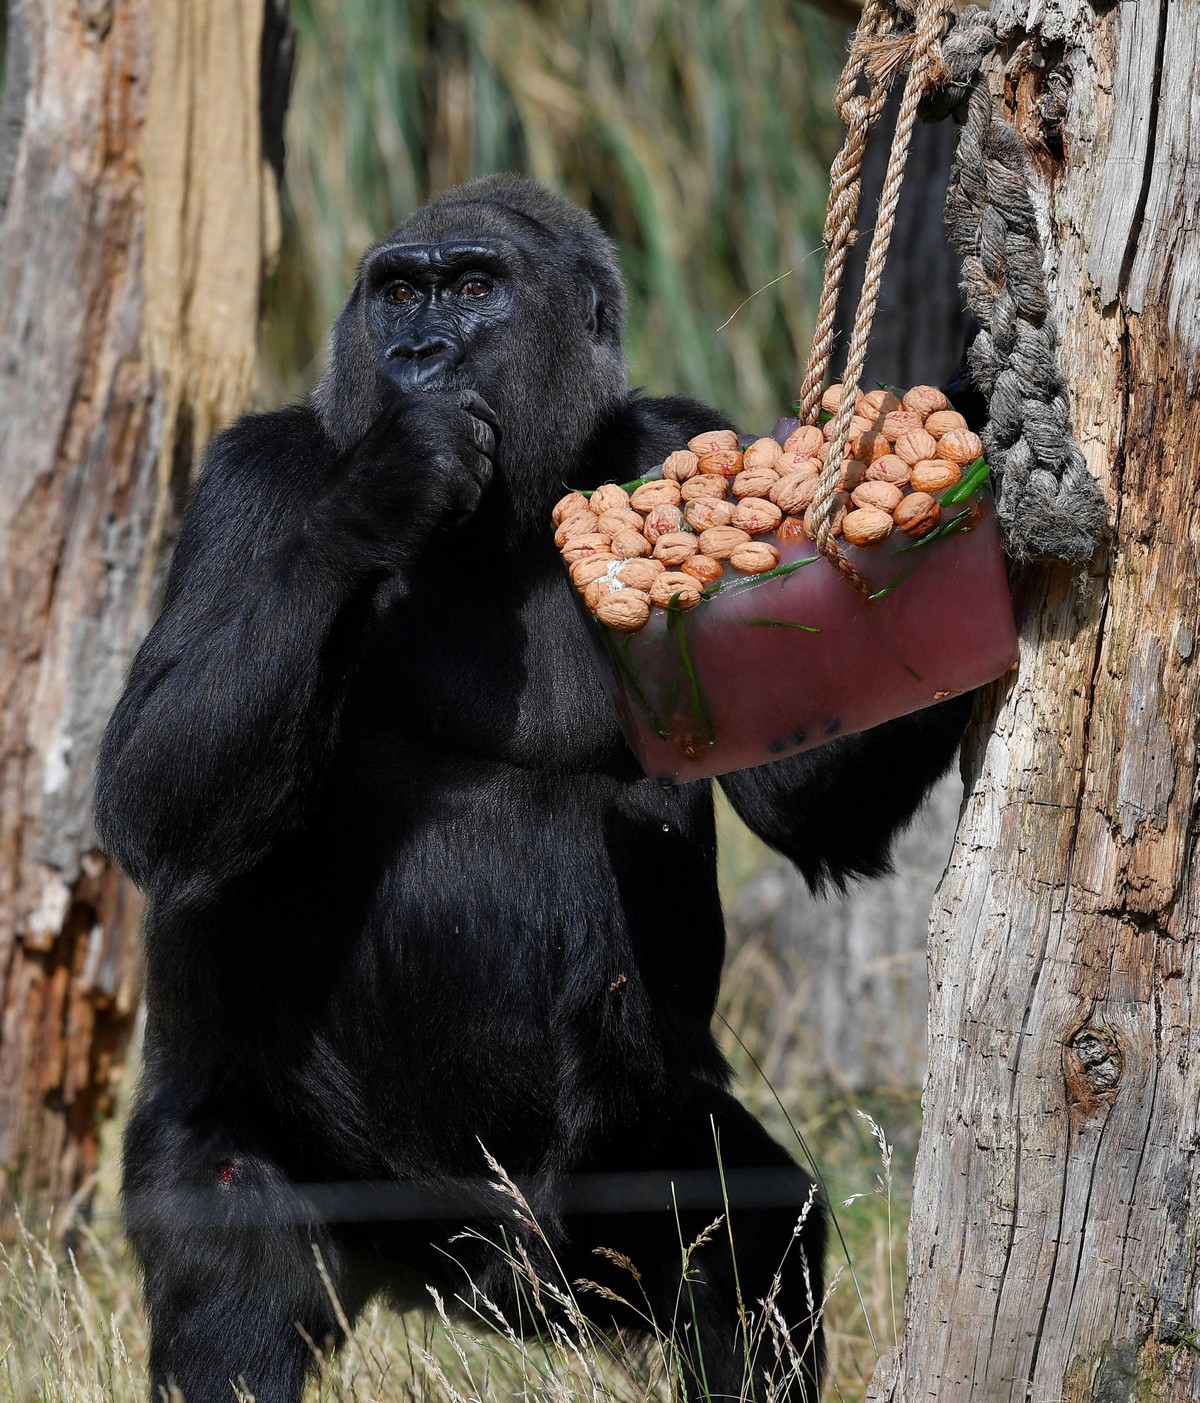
(136, 211)
(1055, 1241)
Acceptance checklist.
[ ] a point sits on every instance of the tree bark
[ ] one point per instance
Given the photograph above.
(136, 213)
(1053, 1251)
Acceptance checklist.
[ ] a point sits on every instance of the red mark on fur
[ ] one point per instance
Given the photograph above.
(225, 1172)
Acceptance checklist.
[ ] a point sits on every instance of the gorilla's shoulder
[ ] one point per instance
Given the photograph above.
(680, 413)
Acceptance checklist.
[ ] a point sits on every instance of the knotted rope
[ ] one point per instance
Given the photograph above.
(1049, 506)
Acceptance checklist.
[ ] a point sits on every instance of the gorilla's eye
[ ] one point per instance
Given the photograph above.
(476, 287)
(399, 292)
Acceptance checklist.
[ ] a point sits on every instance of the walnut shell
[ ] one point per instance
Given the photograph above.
(889, 468)
(597, 589)
(640, 574)
(915, 446)
(675, 547)
(705, 487)
(831, 399)
(661, 521)
(703, 568)
(925, 400)
(867, 526)
(807, 439)
(583, 572)
(794, 492)
(619, 519)
(725, 462)
(934, 475)
(900, 422)
(684, 589)
(852, 473)
(567, 506)
(791, 528)
(626, 611)
(588, 547)
(841, 503)
(801, 463)
(721, 541)
(754, 558)
(754, 482)
(660, 492)
(756, 515)
(880, 402)
(883, 495)
(712, 441)
(917, 515)
(762, 453)
(702, 515)
(609, 497)
(959, 446)
(626, 544)
(680, 465)
(580, 523)
(941, 421)
(859, 424)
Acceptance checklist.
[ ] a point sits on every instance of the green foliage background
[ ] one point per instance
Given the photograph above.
(698, 131)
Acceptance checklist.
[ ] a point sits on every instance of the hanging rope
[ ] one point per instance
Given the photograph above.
(1049, 506)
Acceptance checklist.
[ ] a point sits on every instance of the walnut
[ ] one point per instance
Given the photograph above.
(661, 492)
(934, 475)
(756, 515)
(680, 465)
(883, 495)
(754, 558)
(567, 506)
(795, 492)
(925, 400)
(587, 548)
(754, 482)
(725, 462)
(867, 526)
(597, 590)
(889, 468)
(626, 544)
(703, 487)
(807, 439)
(661, 521)
(619, 519)
(762, 453)
(721, 541)
(608, 498)
(859, 424)
(841, 503)
(831, 399)
(580, 523)
(915, 446)
(703, 568)
(801, 463)
(917, 514)
(941, 421)
(674, 585)
(876, 403)
(959, 446)
(640, 574)
(583, 572)
(701, 515)
(675, 547)
(713, 441)
(852, 473)
(900, 421)
(626, 611)
(791, 528)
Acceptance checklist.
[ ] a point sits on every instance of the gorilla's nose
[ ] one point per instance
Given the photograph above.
(419, 360)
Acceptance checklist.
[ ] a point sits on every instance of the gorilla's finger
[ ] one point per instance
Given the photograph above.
(479, 408)
(484, 438)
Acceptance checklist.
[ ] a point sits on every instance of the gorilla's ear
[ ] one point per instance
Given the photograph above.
(594, 317)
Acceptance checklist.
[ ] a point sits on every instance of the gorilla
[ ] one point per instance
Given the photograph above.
(413, 910)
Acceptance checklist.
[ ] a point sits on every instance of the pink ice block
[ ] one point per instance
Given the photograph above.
(734, 682)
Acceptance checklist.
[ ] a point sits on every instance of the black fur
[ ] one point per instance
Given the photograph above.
(408, 893)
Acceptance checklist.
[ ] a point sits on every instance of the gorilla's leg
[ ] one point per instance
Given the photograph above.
(715, 1311)
(228, 1256)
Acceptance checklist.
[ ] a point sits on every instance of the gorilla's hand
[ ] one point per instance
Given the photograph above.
(420, 470)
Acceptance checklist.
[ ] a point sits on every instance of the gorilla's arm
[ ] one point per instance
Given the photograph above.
(835, 810)
(230, 709)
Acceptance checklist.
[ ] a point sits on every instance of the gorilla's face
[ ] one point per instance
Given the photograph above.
(500, 287)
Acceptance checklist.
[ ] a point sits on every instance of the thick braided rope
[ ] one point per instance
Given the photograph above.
(859, 114)
(1049, 505)
(926, 66)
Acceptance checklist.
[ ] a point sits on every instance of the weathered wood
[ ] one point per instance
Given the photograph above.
(136, 212)
(1055, 1243)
